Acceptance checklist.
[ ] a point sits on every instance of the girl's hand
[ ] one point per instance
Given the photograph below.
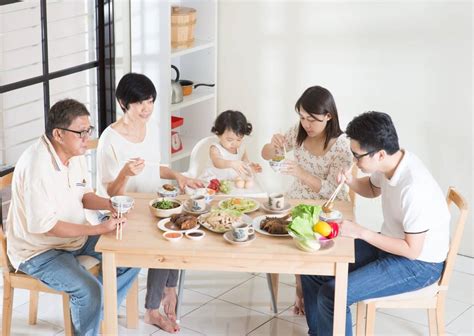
(255, 167)
(278, 141)
(240, 167)
(348, 228)
(290, 167)
(111, 224)
(133, 167)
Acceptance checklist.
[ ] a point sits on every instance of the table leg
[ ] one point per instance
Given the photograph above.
(109, 273)
(340, 299)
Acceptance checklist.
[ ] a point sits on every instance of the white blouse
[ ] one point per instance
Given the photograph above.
(326, 167)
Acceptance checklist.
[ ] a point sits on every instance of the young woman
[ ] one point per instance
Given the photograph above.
(127, 161)
(320, 149)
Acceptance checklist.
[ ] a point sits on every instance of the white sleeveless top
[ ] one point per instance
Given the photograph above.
(114, 150)
(223, 173)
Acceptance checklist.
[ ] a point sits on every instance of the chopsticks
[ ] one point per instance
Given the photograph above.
(328, 203)
(119, 228)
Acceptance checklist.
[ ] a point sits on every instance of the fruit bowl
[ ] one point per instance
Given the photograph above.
(307, 245)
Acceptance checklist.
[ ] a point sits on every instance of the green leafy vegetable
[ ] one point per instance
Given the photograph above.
(303, 218)
(165, 204)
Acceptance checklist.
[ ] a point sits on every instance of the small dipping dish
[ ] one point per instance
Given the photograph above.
(172, 236)
(195, 235)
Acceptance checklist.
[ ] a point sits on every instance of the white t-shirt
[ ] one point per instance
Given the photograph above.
(223, 173)
(412, 202)
(114, 150)
(44, 191)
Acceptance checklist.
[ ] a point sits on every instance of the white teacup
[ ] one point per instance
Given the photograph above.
(276, 201)
(198, 202)
(242, 232)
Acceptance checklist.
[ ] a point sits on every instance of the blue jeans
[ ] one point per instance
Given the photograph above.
(375, 273)
(60, 270)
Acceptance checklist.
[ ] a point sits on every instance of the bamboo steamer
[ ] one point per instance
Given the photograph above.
(183, 21)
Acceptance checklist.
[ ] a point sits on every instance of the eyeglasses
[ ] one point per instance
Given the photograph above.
(360, 156)
(82, 134)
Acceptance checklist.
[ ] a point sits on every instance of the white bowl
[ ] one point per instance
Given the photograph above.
(277, 166)
(122, 203)
(163, 213)
(195, 234)
(308, 245)
(172, 236)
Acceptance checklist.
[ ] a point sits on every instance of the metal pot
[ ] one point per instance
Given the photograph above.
(188, 86)
(176, 88)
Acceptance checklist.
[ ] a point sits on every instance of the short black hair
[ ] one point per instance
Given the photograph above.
(374, 131)
(63, 113)
(232, 120)
(317, 100)
(134, 88)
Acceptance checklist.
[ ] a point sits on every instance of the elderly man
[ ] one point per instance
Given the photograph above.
(46, 225)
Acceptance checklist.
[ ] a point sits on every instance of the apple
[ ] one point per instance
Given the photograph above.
(334, 230)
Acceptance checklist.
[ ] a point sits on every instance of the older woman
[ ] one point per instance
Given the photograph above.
(321, 151)
(134, 137)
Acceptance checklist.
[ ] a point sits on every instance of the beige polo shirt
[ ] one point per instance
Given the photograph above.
(44, 191)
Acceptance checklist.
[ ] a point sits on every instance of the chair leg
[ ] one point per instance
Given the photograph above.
(33, 314)
(8, 292)
(272, 280)
(432, 321)
(68, 331)
(132, 306)
(370, 319)
(440, 314)
(360, 318)
(182, 274)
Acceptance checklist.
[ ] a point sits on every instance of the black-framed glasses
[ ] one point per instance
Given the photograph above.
(82, 134)
(360, 156)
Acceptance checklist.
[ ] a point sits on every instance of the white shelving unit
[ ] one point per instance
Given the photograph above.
(152, 55)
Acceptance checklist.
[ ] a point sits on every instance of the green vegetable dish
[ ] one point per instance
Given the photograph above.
(165, 204)
(239, 204)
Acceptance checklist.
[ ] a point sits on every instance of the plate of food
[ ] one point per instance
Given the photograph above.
(272, 225)
(179, 223)
(243, 205)
(221, 221)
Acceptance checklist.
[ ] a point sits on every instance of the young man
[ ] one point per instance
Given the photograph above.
(46, 225)
(409, 252)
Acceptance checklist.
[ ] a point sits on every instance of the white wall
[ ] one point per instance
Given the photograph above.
(410, 59)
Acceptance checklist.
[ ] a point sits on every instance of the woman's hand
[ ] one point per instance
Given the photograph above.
(278, 141)
(348, 228)
(187, 181)
(255, 167)
(290, 167)
(133, 167)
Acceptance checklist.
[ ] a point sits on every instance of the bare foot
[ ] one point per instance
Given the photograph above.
(298, 309)
(169, 302)
(153, 316)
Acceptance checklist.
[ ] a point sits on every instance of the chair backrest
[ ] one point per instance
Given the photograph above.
(199, 156)
(460, 202)
(5, 181)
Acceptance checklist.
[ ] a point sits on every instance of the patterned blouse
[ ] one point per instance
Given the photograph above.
(326, 167)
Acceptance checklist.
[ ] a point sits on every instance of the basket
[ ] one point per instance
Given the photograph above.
(183, 21)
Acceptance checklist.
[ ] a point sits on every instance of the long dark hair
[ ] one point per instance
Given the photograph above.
(317, 100)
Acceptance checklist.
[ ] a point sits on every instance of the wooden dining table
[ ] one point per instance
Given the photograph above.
(144, 246)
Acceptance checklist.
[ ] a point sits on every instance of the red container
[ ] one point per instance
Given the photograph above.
(176, 144)
(176, 122)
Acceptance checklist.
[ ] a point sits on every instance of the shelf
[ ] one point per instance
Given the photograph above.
(188, 145)
(198, 45)
(199, 94)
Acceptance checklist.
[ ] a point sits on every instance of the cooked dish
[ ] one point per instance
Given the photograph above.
(169, 187)
(165, 204)
(239, 204)
(221, 221)
(275, 225)
(183, 222)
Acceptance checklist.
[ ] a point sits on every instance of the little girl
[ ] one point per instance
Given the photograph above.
(228, 157)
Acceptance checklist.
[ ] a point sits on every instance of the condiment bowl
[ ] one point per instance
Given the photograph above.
(195, 234)
(173, 236)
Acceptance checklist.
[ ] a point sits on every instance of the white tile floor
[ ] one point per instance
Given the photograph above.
(239, 304)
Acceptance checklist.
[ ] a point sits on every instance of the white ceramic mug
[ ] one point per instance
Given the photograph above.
(276, 201)
(242, 232)
(198, 202)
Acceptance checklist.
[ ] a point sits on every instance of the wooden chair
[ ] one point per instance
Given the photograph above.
(433, 297)
(12, 280)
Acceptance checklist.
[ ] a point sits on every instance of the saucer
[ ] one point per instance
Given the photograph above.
(196, 212)
(228, 237)
(285, 209)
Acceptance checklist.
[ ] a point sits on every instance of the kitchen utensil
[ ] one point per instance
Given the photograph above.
(176, 89)
(188, 86)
